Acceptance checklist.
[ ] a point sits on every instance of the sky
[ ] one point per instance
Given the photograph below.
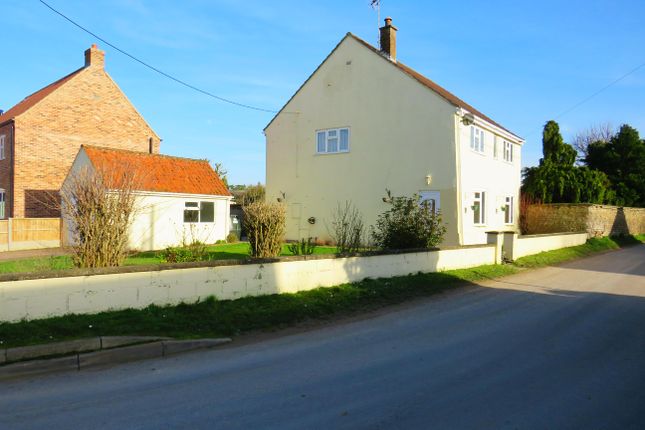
(521, 63)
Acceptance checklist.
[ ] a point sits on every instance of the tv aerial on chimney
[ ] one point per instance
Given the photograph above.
(376, 5)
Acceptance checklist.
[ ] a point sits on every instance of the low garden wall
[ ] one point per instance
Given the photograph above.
(39, 298)
(516, 246)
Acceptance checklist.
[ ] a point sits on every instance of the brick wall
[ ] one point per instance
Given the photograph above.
(89, 109)
(597, 220)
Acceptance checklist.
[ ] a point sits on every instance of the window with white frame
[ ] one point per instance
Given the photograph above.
(477, 139)
(2, 139)
(2, 204)
(508, 210)
(199, 212)
(495, 147)
(479, 207)
(332, 141)
(508, 151)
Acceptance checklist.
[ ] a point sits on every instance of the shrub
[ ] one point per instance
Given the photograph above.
(265, 226)
(347, 229)
(194, 251)
(408, 224)
(304, 247)
(99, 206)
(232, 238)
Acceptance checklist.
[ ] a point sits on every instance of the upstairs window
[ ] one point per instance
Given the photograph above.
(508, 151)
(479, 208)
(199, 212)
(477, 139)
(2, 148)
(332, 141)
(508, 210)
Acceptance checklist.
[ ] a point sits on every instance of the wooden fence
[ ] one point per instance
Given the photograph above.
(29, 233)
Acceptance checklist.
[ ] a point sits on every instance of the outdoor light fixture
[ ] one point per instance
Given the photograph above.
(428, 179)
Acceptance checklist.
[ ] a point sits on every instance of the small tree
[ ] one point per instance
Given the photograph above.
(221, 172)
(409, 223)
(265, 226)
(347, 229)
(99, 206)
(558, 180)
(601, 133)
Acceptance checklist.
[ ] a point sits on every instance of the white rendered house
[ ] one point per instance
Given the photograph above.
(177, 199)
(363, 122)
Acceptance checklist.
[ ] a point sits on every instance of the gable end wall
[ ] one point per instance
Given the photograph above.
(89, 109)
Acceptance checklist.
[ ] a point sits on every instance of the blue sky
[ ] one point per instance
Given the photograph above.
(522, 63)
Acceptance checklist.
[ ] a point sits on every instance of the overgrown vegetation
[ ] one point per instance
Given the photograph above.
(347, 229)
(265, 226)
(303, 247)
(99, 206)
(408, 223)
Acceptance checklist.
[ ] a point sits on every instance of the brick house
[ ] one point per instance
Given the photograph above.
(41, 135)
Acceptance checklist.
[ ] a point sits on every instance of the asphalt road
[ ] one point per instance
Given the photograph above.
(556, 348)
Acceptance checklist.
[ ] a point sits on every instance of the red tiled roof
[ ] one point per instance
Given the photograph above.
(31, 100)
(159, 173)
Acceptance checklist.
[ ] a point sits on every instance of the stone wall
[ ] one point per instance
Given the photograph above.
(597, 220)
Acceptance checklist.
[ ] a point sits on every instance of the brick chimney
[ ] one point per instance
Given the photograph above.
(94, 57)
(388, 39)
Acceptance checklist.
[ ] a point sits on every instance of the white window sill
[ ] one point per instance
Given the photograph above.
(332, 153)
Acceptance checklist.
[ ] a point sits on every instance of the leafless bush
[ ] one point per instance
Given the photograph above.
(265, 226)
(99, 206)
(347, 228)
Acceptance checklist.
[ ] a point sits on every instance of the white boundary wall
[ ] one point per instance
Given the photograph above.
(40, 298)
(520, 246)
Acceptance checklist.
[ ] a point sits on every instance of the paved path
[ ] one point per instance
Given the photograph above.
(556, 348)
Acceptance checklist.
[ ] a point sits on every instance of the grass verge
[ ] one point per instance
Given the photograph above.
(212, 318)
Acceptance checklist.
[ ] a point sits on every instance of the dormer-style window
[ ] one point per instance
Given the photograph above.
(332, 141)
(477, 139)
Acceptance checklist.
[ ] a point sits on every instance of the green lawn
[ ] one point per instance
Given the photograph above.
(232, 251)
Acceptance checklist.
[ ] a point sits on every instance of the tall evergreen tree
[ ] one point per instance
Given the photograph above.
(622, 159)
(558, 180)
